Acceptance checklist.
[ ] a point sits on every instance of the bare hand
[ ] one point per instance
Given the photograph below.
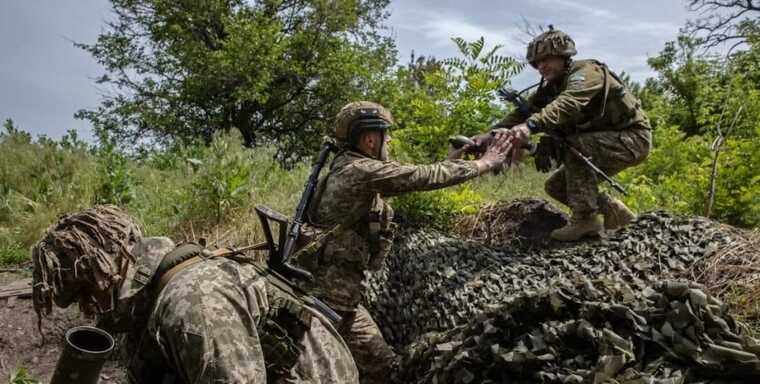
(496, 154)
(518, 136)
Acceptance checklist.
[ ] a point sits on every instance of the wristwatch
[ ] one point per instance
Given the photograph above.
(532, 126)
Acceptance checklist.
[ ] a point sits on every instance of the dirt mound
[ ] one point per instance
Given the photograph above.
(432, 282)
(602, 332)
(519, 223)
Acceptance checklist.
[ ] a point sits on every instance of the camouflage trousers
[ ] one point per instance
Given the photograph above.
(375, 359)
(206, 324)
(576, 185)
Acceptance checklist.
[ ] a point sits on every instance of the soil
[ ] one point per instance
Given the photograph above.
(521, 223)
(21, 345)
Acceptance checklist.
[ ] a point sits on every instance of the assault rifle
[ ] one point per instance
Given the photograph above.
(288, 235)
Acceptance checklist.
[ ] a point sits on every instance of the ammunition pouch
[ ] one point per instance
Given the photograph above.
(381, 230)
(380, 247)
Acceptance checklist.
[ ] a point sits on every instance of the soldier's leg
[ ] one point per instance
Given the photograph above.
(556, 186)
(581, 194)
(374, 357)
(611, 151)
(615, 152)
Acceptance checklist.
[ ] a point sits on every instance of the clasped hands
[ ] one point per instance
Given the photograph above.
(499, 146)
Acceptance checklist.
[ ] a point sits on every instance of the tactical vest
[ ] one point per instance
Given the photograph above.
(613, 109)
(376, 227)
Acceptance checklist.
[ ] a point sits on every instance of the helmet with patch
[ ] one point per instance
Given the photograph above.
(358, 117)
(550, 43)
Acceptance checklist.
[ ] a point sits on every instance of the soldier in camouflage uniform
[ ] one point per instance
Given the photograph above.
(349, 208)
(587, 104)
(190, 315)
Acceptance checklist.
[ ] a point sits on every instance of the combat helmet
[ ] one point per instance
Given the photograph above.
(358, 117)
(89, 249)
(550, 43)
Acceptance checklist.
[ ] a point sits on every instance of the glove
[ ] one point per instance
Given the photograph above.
(545, 152)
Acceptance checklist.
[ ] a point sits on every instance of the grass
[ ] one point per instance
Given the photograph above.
(191, 193)
(187, 192)
(21, 376)
(13, 255)
(516, 182)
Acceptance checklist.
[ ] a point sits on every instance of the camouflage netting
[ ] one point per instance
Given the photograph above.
(605, 304)
(593, 332)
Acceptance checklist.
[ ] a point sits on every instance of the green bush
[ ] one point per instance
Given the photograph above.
(437, 208)
(116, 181)
(677, 176)
(434, 99)
(40, 180)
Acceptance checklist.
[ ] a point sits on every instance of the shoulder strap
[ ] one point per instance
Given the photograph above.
(320, 190)
(165, 277)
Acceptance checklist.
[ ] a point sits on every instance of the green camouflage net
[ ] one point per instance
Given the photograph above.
(593, 332)
(597, 310)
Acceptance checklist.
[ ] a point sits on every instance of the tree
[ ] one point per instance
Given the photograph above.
(690, 83)
(731, 22)
(433, 99)
(277, 70)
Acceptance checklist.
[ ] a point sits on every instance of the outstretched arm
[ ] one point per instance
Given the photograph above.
(392, 178)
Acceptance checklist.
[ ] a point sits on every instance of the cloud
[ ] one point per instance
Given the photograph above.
(576, 7)
(648, 28)
(436, 31)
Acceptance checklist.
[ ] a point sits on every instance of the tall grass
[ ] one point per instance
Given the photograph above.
(187, 192)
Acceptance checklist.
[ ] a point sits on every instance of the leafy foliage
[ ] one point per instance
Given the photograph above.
(116, 184)
(695, 100)
(434, 99)
(223, 179)
(275, 70)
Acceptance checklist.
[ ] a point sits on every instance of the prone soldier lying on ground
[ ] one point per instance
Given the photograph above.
(190, 315)
(356, 224)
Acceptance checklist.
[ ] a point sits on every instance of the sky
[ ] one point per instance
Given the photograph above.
(44, 79)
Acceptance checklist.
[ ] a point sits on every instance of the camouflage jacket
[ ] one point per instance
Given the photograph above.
(349, 203)
(589, 97)
(218, 320)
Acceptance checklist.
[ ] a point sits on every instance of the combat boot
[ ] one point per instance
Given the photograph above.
(578, 227)
(616, 214)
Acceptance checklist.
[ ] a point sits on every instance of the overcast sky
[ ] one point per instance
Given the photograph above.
(44, 80)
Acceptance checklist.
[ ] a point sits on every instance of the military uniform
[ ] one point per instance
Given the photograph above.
(594, 112)
(349, 207)
(210, 320)
(591, 109)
